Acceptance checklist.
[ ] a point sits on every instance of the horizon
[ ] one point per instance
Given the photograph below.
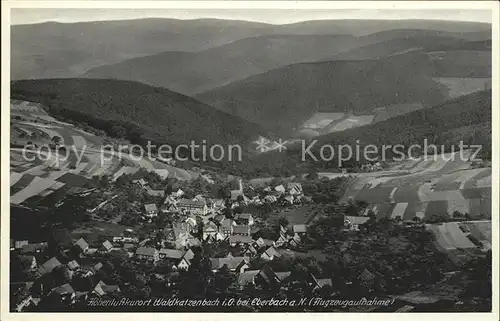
(269, 16)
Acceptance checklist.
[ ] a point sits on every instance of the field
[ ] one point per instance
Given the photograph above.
(429, 188)
(296, 215)
(472, 236)
(324, 123)
(46, 170)
(463, 86)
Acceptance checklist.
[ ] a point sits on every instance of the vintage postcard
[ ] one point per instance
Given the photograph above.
(326, 159)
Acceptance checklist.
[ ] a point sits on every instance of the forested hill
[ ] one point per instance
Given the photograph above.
(136, 111)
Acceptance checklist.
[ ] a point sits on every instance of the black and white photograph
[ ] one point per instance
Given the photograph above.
(233, 158)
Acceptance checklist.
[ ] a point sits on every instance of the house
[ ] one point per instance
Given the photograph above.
(168, 254)
(178, 193)
(66, 293)
(282, 275)
(250, 251)
(353, 223)
(23, 298)
(148, 254)
(287, 200)
(186, 260)
(156, 193)
(283, 230)
(294, 188)
(73, 265)
(48, 266)
(260, 242)
(270, 199)
(141, 182)
(193, 206)
(280, 189)
(247, 278)
(244, 219)
(268, 278)
(299, 229)
(294, 242)
(194, 242)
(234, 264)
(321, 283)
(210, 230)
(82, 245)
(32, 248)
(151, 210)
(226, 227)
(270, 254)
(28, 261)
(97, 267)
(191, 222)
(106, 246)
(20, 244)
(235, 195)
(241, 230)
(102, 289)
(366, 277)
(240, 240)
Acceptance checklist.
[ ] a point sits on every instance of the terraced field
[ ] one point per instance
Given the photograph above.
(432, 188)
(46, 170)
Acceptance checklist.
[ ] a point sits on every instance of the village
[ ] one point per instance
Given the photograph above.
(72, 276)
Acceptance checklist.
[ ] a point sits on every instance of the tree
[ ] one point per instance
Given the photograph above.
(56, 140)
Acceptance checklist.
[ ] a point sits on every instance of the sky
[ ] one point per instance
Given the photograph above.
(273, 16)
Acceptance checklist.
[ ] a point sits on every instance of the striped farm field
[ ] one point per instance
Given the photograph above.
(374, 195)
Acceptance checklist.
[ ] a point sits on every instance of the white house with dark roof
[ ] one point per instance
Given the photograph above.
(148, 254)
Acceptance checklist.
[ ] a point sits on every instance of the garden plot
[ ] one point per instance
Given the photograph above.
(467, 177)
(436, 208)
(480, 229)
(384, 210)
(36, 186)
(406, 194)
(375, 195)
(124, 170)
(483, 192)
(458, 204)
(79, 141)
(15, 177)
(399, 210)
(455, 236)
